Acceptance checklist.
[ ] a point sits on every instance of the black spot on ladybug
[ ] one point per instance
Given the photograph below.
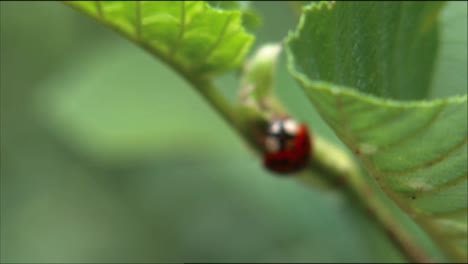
(283, 162)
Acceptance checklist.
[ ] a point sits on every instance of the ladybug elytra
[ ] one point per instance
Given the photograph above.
(287, 146)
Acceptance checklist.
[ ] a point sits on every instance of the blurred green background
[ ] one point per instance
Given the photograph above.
(108, 156)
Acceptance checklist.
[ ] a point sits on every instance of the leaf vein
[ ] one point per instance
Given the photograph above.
(99, 9)
(219, 40)
(415, 132)
(175, 48)
(138, 20)
(442, 187)
(427, 164)
(445, 214)
(380, 123)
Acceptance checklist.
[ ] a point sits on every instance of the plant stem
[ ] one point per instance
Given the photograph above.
(364, 193)
(335, 169)
(329, 164)
(227, 111)
(330, 167)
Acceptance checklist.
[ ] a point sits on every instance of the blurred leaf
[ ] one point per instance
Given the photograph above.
(250, 18)
(353, 59)
(450, 76)
(192, 36)
(128, 118)
(229, 5)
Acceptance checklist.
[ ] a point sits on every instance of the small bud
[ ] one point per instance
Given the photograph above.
(258, 76)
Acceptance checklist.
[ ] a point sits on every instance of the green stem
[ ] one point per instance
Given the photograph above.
(218, 102)
(333, 167)
(227, 111)
(359, 189)
(330, 165)
(337, 169)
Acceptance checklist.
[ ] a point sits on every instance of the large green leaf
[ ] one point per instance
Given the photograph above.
(190, 35)
(363, 65)
(250, 18)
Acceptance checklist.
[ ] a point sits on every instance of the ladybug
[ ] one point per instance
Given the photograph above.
(287, 146)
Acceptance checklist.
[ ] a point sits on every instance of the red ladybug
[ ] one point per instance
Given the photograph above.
(287, 146)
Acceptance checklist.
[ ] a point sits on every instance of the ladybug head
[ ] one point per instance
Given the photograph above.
(281, 134)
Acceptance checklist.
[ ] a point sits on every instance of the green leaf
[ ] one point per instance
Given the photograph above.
(251, 19)
(192, 36)
(451, 66)
(363, 65)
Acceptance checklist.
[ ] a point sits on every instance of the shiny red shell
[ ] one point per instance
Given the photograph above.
(293, 155)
